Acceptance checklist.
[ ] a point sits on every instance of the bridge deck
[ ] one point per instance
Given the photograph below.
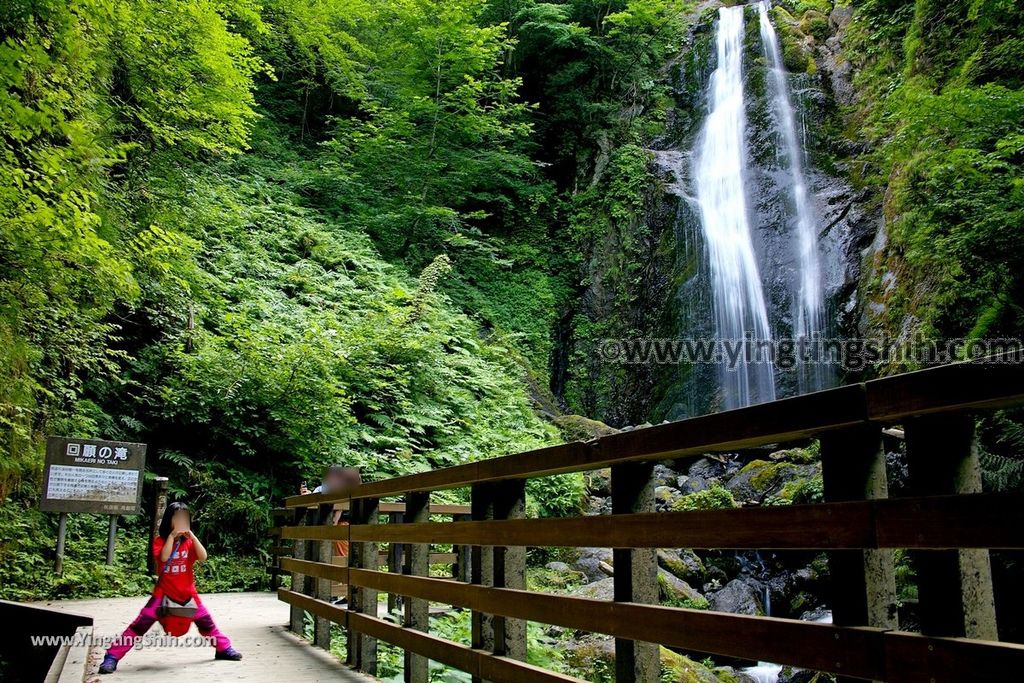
(255, 622)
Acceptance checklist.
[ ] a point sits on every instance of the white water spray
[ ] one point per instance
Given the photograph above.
(808, 312)
(739, 302)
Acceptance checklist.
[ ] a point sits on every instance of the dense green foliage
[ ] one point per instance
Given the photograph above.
(265, 236)
(943, 104)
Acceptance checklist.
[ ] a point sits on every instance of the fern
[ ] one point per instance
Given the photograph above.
(1001, 451)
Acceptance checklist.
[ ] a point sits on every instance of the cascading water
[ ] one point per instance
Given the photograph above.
(740, 311)
(808, 312)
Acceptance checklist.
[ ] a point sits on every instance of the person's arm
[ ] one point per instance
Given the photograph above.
(166, 548)
(198, 548)
(169, 543)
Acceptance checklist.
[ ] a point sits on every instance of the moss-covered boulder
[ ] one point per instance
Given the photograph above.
(684, 564)
(674, 591)
(580, 428)
(815, 24)
(665, 497)
(737, 597)
(593, 653)
(598, 590)
(803, 456)
(715, 497)
(761, 479)
(682, 669)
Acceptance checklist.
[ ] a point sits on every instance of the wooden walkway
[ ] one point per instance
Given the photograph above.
(256, 624)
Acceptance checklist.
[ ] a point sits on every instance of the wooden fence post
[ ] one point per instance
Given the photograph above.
(510, 568)
(462, 554)
(297, 614)
(863, 581)
(636, 572)
(853, 468)
(160, 485)
(324, 552)
(417, 563)
(362, 649)
(482, 568)
(395, 561)
(954, 586)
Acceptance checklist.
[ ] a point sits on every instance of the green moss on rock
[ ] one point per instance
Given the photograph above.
(814, 23)
(578, 427)
(682, 669)
(712, 498)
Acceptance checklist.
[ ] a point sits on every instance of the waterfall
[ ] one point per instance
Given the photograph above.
(764, 672)
(808, 313)
(740, 312)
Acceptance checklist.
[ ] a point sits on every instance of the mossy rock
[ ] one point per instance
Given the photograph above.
(684, 564)
(594, 653)
(794, 57)
(727, 674)
(674, 591)
(543, 578)
(802, 491)
(714, 497)
(682, 669)
(814, 23)
(805, 6)
(760, 479)
(809, 454)
(580, 428)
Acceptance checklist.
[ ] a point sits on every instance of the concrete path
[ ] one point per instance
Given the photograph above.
(255, 622)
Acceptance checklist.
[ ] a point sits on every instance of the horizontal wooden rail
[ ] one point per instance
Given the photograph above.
(785, 641)
(933, 522)
(994, 383)
(382, 559)
(948, 534)
(476, 662)
(321, 570)
(960, 386)
(858, 652)
(910, 658)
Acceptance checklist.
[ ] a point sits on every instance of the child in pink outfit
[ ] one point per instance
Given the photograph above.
(175, 550)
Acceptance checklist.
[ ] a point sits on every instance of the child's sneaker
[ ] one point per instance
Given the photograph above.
(230, 654)
(109, 665)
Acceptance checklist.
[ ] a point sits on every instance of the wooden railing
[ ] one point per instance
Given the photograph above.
(947, 522)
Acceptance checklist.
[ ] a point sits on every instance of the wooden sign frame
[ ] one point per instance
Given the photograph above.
(91, 475)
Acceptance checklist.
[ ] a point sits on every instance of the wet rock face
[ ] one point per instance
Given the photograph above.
(761, 479)
(683, 564)
(671, 297)
(737, 597)
(674, 590)
(589, 562)
(846, 218)
(597, 590)
(791, 584)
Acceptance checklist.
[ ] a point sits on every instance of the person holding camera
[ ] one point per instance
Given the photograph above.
(176, 549)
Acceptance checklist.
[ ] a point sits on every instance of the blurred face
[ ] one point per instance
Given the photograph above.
(334, 481)
(181, 520)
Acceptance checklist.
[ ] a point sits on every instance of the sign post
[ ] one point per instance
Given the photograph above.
(62, 532)
(88, 475)
(111, 539)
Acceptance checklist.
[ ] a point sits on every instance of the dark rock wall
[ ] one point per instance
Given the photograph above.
(668, 294)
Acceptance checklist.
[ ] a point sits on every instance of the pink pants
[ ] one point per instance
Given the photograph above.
(147, 617)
